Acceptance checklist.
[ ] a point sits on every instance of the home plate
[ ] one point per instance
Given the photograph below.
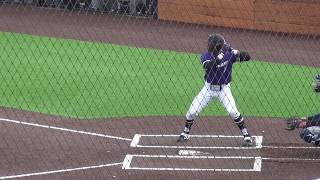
(192, 153)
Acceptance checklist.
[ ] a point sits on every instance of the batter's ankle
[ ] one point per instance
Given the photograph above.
(245, 132)
(188, 125)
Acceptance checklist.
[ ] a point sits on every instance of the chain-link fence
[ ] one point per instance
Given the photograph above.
(147, 89)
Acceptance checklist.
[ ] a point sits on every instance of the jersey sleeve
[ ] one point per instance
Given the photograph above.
(234, 54)
(205, 57)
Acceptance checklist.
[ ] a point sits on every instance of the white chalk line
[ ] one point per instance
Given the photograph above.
(259, 139)
(127, 161)
(136, 139)
(194, 136)
(191, 169)
(64, 129)
(193, 153)
(198, 147)
(291, 147)
(291, 159)
(59, 171)
(129, 157)
(192, 157)
(226, 147)
(257, 164)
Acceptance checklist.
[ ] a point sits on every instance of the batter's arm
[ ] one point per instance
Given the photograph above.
(208, 61)
(210, 64)
(238, 55)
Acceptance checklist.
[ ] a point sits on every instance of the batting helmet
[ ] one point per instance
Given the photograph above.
(215, 42)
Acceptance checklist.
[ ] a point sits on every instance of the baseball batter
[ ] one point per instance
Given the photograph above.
(217, 62)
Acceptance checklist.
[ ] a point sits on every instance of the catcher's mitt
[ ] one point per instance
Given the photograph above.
(316, 84)
(292, 123)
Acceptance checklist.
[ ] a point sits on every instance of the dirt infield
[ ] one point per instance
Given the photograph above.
(40, 146)
(38, 143)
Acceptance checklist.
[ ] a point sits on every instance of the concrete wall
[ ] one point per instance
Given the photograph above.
(292, 16)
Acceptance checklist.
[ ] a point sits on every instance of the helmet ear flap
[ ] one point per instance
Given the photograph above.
(211, 45)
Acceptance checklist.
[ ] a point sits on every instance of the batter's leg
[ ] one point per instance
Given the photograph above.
(200, 102)
(226, 98)
(197, 105)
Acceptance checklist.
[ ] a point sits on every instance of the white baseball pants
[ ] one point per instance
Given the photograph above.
(207, 94)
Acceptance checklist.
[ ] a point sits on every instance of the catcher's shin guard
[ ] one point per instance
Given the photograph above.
(306, 135)
(317, 142)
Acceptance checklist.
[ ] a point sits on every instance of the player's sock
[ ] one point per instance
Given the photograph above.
(187, 127)
(242, 126)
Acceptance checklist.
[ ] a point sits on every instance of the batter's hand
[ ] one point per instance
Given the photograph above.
(244, 56)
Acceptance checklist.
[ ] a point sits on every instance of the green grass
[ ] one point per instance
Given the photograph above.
(91, 80)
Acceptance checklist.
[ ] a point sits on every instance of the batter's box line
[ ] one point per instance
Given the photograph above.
(63, 129)
(136, 139)
(129, 157)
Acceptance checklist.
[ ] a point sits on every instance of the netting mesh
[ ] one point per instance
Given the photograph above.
(103, 89)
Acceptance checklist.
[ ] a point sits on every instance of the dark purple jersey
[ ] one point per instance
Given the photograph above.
(221, 72)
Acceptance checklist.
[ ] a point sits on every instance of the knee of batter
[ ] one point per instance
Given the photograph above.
(234, 114)
(194, 110)
(191, 115)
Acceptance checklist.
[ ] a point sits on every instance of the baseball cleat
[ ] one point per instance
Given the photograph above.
(183, 137)
(247, 141)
